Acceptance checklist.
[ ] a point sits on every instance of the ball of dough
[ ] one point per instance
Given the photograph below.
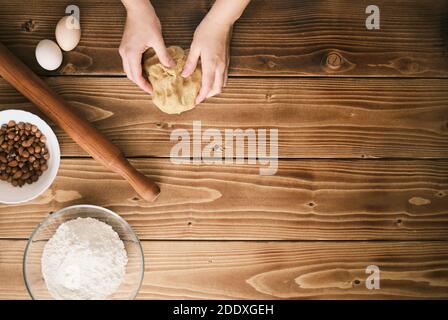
(173, 93)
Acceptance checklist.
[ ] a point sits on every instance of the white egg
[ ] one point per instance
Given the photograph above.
(48, 54)
(68, 33)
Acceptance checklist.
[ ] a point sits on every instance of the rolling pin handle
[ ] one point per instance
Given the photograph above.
(144, 186)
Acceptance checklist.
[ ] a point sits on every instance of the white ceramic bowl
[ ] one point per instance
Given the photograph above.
(10, 194)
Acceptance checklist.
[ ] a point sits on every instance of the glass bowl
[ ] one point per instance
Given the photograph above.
(32, 270)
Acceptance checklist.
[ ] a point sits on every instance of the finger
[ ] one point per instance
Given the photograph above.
(126, 67)
(226, 77)
(163, 55)
(229, 39)
(226, 73)
(126, 56)
(191, 63)
(135, 71)
(218, 84)
(124, 60)
(208, 77)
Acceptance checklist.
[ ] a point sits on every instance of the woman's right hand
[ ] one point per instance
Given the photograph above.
(142, 31)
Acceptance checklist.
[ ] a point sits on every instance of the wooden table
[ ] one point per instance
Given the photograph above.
(363, 140)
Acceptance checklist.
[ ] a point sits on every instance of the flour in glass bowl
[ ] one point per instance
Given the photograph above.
(84, 260)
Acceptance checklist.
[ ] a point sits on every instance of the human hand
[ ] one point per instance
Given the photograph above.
(211, 43)
(142, 31)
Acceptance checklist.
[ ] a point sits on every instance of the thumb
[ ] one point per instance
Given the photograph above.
(191, 63)
(163, 55)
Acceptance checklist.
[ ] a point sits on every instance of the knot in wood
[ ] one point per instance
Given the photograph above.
(334, 60)
(29, 26)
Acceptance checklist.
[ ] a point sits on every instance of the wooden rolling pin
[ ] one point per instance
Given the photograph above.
(88, 137)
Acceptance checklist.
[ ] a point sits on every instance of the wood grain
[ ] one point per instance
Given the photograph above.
(272, 270)
(305, 200)
(308, 37)
(316, 118)
(231, 216)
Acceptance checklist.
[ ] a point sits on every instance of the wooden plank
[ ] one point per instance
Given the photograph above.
(272, 270)
(315, 118)
(305, 200)
(308, 37)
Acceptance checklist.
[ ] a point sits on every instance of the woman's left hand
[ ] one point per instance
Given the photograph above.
(211, 43)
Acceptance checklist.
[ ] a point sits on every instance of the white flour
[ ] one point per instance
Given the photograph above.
(84, 260)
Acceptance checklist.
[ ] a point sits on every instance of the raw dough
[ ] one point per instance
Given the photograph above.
(173, 93)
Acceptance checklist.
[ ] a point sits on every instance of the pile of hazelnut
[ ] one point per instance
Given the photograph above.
(23, 153)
